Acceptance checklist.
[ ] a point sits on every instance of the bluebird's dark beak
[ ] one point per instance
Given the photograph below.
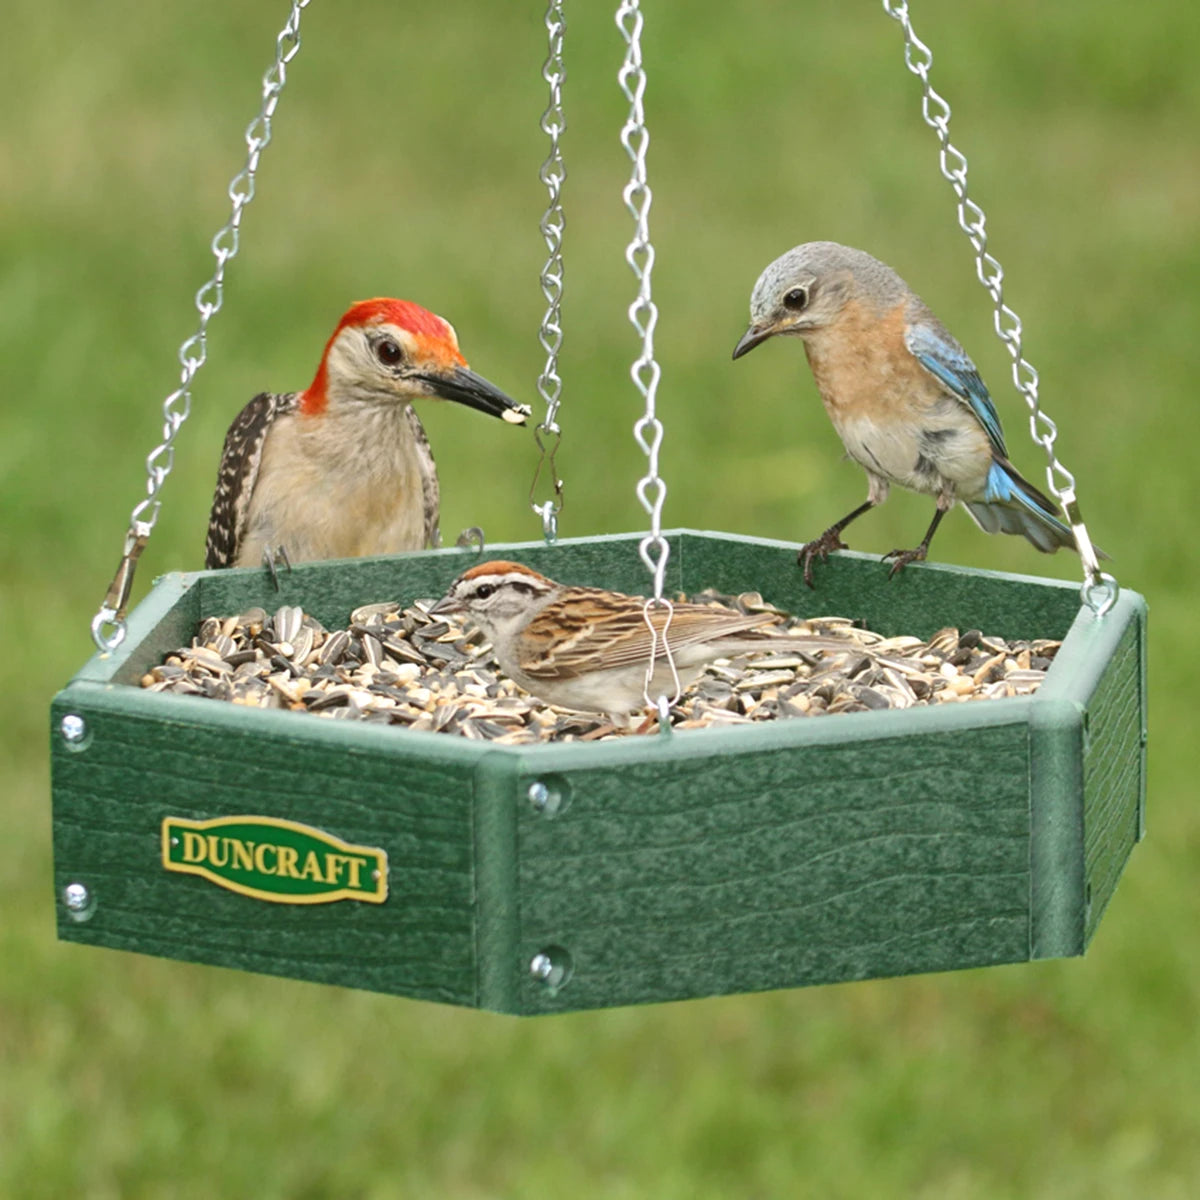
(465, 387)
(754, 336)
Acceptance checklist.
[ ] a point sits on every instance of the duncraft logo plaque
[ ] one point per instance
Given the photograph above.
(272, 859)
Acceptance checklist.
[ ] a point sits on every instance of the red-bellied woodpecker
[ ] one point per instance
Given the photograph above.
(343, 468)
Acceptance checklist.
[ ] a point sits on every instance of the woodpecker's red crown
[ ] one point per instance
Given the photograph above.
(429, 338)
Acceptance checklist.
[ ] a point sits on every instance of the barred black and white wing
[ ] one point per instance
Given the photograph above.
(241, 458)
(430, 498)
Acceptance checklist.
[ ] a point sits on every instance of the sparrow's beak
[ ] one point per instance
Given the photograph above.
(754, 336)
(447, 604)
(464, 386)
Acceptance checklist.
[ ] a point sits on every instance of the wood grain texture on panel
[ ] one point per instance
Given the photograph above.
(111, 798)
(1113, 772)
(794, 866)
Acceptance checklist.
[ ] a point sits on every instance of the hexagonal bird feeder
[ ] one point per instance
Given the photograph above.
(539, 878)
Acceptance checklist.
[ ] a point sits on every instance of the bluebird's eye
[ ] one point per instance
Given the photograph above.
(388, 352)
(484, 590)
(796, 299)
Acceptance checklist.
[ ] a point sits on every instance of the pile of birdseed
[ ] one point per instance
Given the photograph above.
(400, 666)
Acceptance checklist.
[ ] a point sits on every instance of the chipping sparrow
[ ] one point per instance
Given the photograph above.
(588, 649)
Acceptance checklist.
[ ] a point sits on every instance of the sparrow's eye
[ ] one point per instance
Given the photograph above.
(388, 352)
(484, 590)
(796, 299)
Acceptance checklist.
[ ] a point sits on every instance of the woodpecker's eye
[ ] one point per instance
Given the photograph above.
(484, 590)
(388, 352)
(796, 299)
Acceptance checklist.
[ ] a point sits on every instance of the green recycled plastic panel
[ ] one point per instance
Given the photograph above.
(728, 860)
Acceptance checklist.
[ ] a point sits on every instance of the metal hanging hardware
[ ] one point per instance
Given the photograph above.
(643, 316)
(1099, 590)
(553, 172)
(194, 352)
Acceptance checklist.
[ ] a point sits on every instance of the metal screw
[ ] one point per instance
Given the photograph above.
(546, 801)
(79, 901)
(552, 968)
(74, 730)
(548, 798)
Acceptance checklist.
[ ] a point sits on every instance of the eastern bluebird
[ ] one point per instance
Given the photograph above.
(902, 394)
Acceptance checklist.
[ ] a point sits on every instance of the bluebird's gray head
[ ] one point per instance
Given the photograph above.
(806, 289)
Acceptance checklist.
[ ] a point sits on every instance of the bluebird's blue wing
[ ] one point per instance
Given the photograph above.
(940, 354)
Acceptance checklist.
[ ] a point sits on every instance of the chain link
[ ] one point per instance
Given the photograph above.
(552, 174)
(645, 371)
(1099, 589)
(194, 351)
(643, 313)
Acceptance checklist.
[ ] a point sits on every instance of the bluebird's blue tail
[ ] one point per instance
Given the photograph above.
(1011, 504)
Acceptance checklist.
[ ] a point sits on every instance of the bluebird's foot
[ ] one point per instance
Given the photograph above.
(904, 557)
(821, 547)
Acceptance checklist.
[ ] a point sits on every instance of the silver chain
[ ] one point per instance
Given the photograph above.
(194, 351)
(645, 371)
(1099, 589)
(553, 172)
(643, 313)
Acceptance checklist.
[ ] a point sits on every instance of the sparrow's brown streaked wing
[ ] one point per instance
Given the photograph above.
(592, 629)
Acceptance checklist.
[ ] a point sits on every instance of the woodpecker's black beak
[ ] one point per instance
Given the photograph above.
(754, 336)
(465, 387)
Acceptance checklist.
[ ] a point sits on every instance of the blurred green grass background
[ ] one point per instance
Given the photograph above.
(405, 162)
